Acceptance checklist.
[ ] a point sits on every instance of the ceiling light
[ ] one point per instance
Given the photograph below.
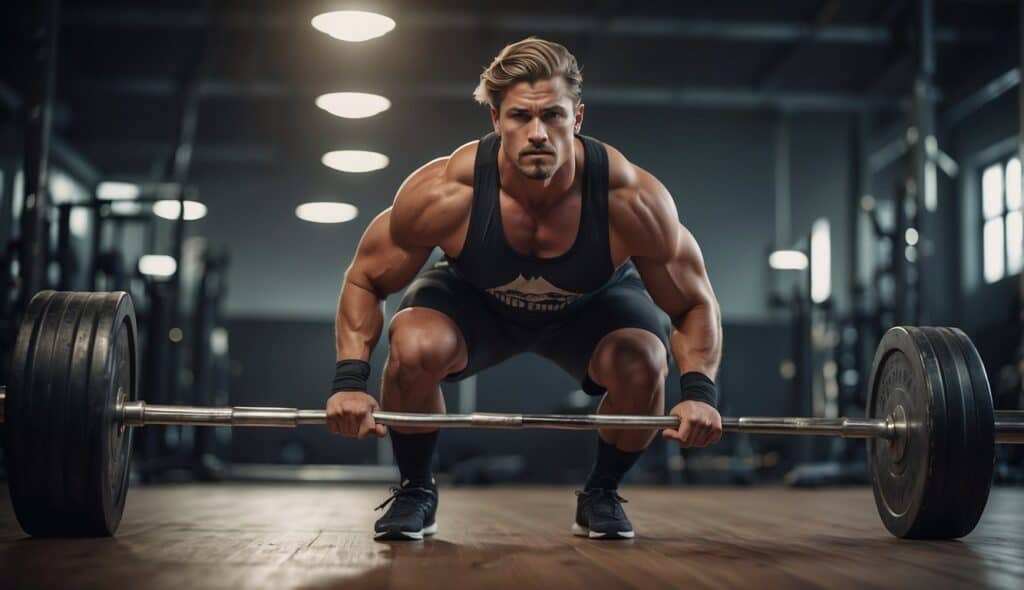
(325, 212)
(787, 260)
(170, 209)
(157, 265)
(354, 160)
(353, 25)
(353, 105)
(113, 190)
(821, 261)
(126, 208)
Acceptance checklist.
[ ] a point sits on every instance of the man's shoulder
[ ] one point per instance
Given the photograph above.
(640, 208)
(622, 174)
(435, 198)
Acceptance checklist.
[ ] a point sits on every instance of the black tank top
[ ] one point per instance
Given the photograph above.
(525, 288)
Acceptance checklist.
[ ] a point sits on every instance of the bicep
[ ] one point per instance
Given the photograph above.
(678, 281)
(380, 264)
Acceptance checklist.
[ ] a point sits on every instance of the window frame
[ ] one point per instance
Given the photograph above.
(1003, 217)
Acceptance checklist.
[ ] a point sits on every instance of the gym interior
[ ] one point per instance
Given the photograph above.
(184, 186)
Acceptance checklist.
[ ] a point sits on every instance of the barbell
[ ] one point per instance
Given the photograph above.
(72, 401)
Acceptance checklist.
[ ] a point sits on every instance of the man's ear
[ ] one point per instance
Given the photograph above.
(494, 121)
(579, 119)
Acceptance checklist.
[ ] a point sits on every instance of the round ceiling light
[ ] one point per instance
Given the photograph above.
(354, 160)
(326, 212)
(353, 105)
(170, 209)
(353, 25)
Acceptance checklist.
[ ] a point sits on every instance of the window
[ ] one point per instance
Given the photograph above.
(1003, 226)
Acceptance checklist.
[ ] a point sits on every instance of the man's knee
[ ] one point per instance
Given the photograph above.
(425, 347)
(630, 360)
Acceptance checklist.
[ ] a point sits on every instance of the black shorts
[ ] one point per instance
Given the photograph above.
(569, 342)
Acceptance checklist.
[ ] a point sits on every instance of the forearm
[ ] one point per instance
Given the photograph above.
(359, 320)
(696, 341)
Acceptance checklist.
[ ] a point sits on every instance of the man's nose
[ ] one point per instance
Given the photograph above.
(538, 133)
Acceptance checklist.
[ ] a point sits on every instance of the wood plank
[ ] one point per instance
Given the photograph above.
(243, 536)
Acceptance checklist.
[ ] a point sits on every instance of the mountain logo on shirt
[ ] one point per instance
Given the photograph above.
(533, 294)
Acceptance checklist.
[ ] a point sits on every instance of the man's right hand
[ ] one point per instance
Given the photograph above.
(350, 413)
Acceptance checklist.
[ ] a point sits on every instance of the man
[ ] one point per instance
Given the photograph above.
(550, 239)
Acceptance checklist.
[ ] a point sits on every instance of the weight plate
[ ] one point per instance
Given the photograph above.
(933, 481)
(906, 474)
(68, 457)
(971, 422)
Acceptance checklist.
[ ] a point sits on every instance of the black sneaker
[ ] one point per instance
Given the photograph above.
(411, 515)
(599, 515)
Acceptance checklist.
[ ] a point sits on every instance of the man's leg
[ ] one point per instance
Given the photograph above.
(630, 363)
(426, 346)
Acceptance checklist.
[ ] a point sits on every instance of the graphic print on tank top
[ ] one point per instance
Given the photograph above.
(525, 287)
(533, 294)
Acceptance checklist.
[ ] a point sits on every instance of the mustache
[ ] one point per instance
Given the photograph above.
(536, 152)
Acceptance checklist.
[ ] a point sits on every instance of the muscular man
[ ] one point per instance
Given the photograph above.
(555, 244)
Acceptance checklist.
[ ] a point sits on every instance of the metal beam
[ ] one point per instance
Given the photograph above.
(988, 92)
(68, 157)
(216, 153)
(41, 58)
(523, 23)
(702, 97)
(772, 74)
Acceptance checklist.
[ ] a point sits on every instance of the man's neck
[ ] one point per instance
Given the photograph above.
(537, 196)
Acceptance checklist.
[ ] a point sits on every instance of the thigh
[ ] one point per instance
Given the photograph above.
(440, 289)
(624, 304)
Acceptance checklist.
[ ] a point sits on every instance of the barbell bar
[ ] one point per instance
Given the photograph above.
(139, 413)
(1009, 425)
(72, 401)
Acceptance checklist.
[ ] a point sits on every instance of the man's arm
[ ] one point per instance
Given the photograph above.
(672, 268)
(380, 267)
(390, 253)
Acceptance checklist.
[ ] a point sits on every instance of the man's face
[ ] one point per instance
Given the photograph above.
(537, 122)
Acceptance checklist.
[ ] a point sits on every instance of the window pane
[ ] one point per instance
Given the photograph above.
(993, 236)
(1013, 184)
(1014, 242)
(992, 191)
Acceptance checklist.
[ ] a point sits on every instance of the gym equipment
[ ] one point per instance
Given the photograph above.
(73, 399)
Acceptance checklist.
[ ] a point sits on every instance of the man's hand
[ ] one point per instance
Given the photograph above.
(350, 413)
(700, 425)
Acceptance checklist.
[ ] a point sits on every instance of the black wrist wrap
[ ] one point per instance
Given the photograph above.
(698, 387)
(350, 375)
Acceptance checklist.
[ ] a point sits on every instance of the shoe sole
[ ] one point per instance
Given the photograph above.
(582, 531)
(400, 535)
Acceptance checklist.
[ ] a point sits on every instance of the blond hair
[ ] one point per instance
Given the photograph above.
(528, 60)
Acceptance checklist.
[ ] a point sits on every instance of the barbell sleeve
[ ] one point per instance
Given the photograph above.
(1010, 427)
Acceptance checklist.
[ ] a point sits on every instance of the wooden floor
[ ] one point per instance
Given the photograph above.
(249, 536)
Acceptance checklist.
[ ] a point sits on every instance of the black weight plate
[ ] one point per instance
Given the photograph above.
(975, 474)
(960, 438)
(907, 475)
(19, 435)
(74, 358)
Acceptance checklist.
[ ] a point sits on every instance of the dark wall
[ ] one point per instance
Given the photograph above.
(989, 312)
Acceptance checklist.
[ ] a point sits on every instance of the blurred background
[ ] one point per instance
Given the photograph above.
(845, 165)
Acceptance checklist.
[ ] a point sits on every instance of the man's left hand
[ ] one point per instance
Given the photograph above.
(700, 425)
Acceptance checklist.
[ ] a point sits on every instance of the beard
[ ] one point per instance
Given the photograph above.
(537, 168)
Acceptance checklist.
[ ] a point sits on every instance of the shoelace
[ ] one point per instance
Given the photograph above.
(398, 492)
(593, 496)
